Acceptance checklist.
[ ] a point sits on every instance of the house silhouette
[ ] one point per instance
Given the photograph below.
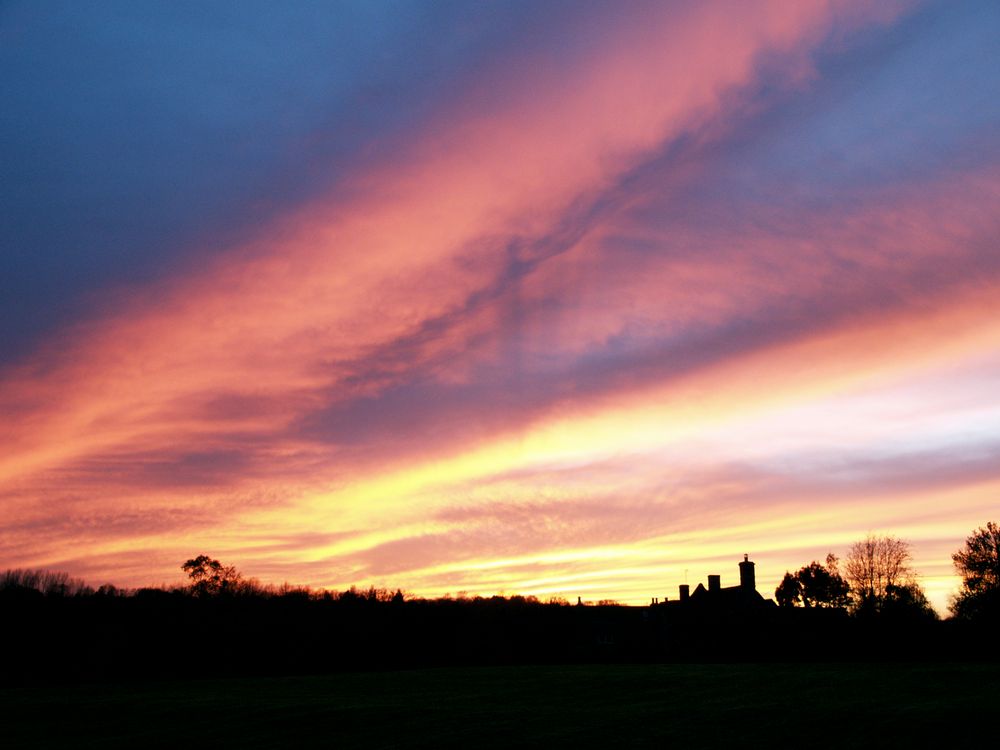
(716, 598)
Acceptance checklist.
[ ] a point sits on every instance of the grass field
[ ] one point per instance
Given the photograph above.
(682, 706)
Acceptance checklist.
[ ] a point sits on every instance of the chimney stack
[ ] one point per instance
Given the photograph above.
(748, 580)
(685, 592)
(715, 583)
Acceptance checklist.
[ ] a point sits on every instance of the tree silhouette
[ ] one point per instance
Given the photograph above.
(883, 582)
(873, 566)
(210, 577)
(789, 591)
(907, 602)
(979, 565)
(814, 585)
(822, 587)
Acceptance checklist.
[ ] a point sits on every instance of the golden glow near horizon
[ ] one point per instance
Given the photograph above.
(589, 330)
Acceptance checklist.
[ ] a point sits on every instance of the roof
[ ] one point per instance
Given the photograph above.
(731, 597)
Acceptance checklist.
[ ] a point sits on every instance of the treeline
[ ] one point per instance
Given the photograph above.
(25, 585)
(51, 583)
(81, 634)
(21, 584)
(210, 579)
(237, 626)
(55, 627)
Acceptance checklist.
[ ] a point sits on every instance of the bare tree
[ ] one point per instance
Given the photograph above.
(875, 567)
(49, 582)
(833, 564)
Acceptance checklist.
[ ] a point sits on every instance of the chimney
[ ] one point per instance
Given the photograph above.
(685, 592)
(748, 581)
(714, 583)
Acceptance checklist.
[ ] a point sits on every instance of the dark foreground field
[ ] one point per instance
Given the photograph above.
(863, 705)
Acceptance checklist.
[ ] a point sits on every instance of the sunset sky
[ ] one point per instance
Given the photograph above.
(552, 298)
